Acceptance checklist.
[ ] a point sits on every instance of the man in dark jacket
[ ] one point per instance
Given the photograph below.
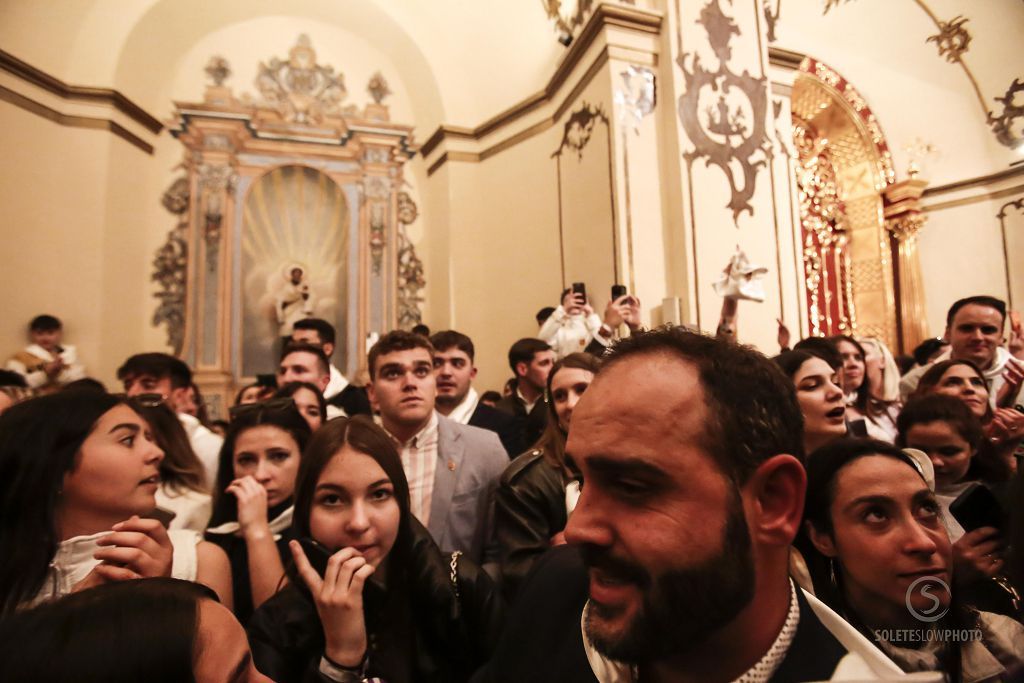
(454, 355)
(531, 361)
(691, 455)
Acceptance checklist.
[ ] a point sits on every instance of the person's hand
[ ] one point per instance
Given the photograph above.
(1007, 425)
(1013, 377)
(978, 554)
(137, 548)
(783, 337)
(54, 367)
(339, 601)
(615, 312)
(558, 539)
(573, 302)
(631, 312)
(1015, 345)
(252, 506)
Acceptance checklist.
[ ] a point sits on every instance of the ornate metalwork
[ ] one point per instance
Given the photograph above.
(567, 21)
(378, 88)
(829, 4)
(732, 133)
(637, 97)
(410, 268)
(1004, 211)
(1003, 124)
(771, 19)
(218, 70)
(580, 127)
(302, 90)
(170, 267)
(952, 39)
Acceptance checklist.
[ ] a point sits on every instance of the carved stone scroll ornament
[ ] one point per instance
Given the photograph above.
(580, 127)
(170, 265)
(730, 133)
(829, 4)
(214, 182)
(952, 39)
(302, 90)
(1009, 124)
(410, 268)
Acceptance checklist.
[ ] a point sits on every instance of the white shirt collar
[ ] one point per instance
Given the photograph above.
(462, 412)
(337, 383)
(427, 430)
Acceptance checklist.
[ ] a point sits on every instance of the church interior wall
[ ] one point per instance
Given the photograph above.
(90, 201)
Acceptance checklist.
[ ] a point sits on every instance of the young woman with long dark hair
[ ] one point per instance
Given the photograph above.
(77, 470)
(862, 403)
(387, 603)
(253, 497)
(155, 630)
(883, 560)
(531, 505)
(183, 488)
(819, 394)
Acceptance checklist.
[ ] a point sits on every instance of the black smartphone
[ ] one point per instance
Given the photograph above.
(579, 288)
(977, 507)
(617, 291)
(317, 554)
(269, 381)
(858, 428)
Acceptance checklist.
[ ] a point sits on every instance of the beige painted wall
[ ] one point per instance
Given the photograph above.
(977, 264)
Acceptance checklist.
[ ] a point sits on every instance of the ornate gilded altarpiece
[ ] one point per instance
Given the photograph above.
(843, 166)
(295, 208)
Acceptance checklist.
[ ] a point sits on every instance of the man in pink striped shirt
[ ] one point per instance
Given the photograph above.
(452, 468)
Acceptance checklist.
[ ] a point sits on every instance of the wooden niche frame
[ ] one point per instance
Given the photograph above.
(230, 143)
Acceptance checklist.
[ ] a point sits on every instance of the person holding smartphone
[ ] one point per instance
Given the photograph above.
(370, 595)
(575, 327)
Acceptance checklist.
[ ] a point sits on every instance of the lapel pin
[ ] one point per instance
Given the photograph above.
(451, 465)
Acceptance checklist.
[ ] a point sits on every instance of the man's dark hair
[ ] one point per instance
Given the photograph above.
(926, 349)
(158, 365)
(544, 313)
(323, 365)
(752, 412)
(421, 330)
(822, 347)
(524, 350)
(981, 300)
(396, 340)
(323, 329)
(446, 339)
(940, 408)
(490, 395)
(44, 323)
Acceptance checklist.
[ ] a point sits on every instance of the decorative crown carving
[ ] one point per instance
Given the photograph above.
(302, 90)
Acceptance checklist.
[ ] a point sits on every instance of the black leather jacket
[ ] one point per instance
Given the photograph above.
(529, 510)
(426, 634)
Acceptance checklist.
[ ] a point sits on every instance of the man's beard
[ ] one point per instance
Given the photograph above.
(449, 401)
(681, 607)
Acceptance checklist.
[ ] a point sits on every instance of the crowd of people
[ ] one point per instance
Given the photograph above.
(633, 505)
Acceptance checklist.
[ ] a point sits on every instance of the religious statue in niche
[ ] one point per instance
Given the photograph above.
(295, 239)
(293, 300)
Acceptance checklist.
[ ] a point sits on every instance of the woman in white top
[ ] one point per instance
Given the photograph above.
(863, 397)
(183, 488)
(77, 469)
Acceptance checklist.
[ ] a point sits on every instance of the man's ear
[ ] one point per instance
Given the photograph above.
(328, 348)
(822, 541)
(521, 369)
(370, 393)
(177, 397)
(322, 382)
(472, 374)
(945, 335)
(775, 496)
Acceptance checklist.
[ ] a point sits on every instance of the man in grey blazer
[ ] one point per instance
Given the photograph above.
(453, 469)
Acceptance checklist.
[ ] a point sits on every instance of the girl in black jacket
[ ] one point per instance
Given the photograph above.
(375, 596)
